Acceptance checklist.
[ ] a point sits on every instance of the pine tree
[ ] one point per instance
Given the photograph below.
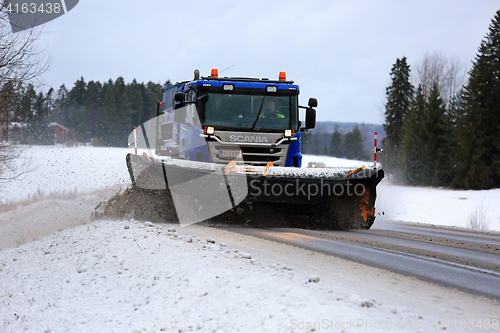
(399, 95)
(306, 141)
(110, 111)
(336, 144)
(9, 98)
(434, 146)
(60, 112)
(38, 128)
(354, 147)
(153, 94)
(413, 140)
(477, 150)
(102, 113)
(315, 146)
(25, 111)
(77, 116)
(93, 102)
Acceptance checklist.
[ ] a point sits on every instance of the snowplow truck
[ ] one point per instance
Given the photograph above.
(229, 148)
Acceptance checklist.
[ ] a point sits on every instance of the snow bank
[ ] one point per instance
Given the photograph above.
(28, 222)
(136, 277)
(436, 205)
(64, 170)
(335, 162)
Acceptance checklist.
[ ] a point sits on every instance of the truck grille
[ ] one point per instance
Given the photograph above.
(251, 155)
(254, 150)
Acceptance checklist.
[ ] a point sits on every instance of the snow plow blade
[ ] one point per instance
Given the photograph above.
(262, 196)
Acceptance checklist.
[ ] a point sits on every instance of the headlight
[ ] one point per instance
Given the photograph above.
(227, 87)
(289, 133)
(210, 130)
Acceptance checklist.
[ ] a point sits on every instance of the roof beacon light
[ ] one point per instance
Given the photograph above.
(215, 73)
(282, 76)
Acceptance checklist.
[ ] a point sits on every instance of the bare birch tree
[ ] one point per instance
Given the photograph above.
(436, 67)
(21, 62)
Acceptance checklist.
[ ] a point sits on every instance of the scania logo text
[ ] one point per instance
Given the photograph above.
(248, 138)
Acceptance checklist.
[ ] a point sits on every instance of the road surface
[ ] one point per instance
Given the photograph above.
(466, 260)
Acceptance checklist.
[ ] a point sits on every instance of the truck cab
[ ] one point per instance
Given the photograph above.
(216, 120)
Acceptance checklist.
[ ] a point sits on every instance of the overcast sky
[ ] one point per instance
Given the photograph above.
(340, 52)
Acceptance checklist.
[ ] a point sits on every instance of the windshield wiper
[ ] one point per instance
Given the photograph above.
(258, 114)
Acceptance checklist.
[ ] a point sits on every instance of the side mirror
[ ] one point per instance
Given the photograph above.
(310, 117)
(180, 115)
(313, 102)
(179, 97)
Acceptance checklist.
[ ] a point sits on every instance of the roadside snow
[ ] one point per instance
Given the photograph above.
(63, 170)
(334, 162)
(41, 218)
(142, 277)
(133, 277)
(437, 206)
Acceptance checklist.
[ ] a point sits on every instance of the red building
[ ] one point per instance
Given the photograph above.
(61, 133)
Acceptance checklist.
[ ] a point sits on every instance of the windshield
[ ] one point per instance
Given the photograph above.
(253, 112)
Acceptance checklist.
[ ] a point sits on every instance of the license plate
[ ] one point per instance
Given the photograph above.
(226, 153)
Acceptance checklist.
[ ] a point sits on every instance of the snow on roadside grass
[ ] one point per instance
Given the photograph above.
(134, 277)
(334, 162)
(67, 170)
(436, 205)
(426, 204)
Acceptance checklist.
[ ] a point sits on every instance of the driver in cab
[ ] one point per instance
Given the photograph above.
(269, 111)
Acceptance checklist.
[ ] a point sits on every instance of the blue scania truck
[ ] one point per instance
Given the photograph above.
(222, 144)
(213, 119)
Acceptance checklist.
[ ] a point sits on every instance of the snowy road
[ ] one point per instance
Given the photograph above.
(129, 276)
(465, 260)
(62, 272)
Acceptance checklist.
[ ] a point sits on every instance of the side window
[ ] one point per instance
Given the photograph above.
(168, 99)
(191, 113)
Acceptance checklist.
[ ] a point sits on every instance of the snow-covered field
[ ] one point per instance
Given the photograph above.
(436, 206)
(62, 272)
(61, 170)
(334, 162)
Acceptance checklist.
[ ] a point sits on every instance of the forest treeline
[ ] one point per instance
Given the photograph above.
(103, 114)
(441, 132)
(99, 113)
(355, 143)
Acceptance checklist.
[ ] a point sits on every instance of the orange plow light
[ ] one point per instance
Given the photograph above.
(282, 76)
(215, 73)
